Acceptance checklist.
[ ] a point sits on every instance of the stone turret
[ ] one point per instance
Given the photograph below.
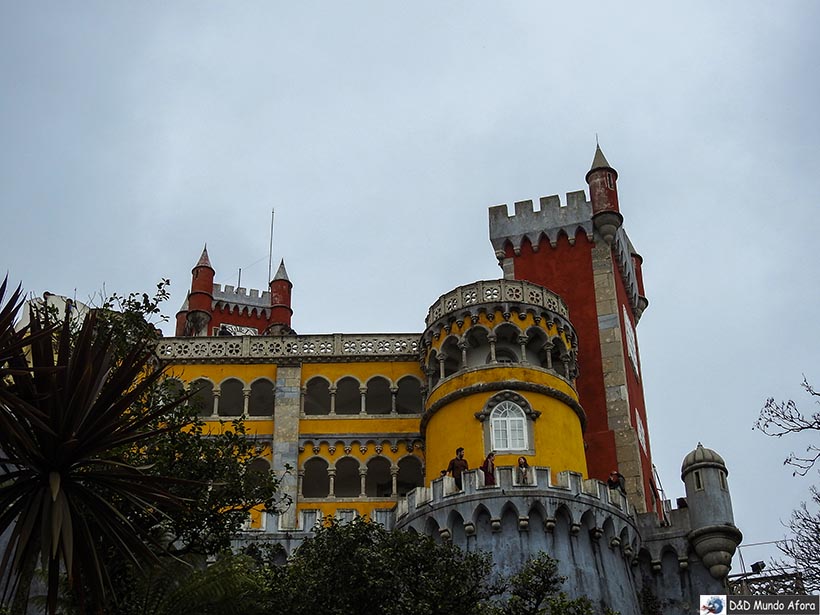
(603, 192)
(714, 535)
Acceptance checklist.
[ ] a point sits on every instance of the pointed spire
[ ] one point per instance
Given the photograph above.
(281, 273)
(204, 261)
(599, 161)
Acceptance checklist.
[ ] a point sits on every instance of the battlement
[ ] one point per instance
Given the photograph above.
(230, 294)
(550, 220)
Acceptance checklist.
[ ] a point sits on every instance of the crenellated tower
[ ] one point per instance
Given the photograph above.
(215, 309)
(581, 251)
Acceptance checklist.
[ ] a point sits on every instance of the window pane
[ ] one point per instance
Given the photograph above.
(517, 438)
(500, 430)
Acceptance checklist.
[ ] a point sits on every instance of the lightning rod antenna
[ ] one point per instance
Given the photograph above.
(270, 248)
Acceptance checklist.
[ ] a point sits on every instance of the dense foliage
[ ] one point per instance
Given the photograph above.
(105, 468)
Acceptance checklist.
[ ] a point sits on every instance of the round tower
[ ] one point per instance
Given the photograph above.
(603, 193)
(714, 535)
(501, 360)
(201, 297)
(280, 291)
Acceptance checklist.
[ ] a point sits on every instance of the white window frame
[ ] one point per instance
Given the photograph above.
(508, 427)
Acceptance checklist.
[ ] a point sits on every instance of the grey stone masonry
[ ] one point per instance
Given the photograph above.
(286, 437)
(550, 220)
(627, 447)
(587, 527)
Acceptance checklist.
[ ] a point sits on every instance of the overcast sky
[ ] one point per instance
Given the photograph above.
(131, 133)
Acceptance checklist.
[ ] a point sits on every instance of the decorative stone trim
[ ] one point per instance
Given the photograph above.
(520, 385)
(495, 292)
(507, 396)
(303, 348)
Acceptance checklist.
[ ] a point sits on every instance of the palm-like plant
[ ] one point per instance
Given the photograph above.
(68, 412)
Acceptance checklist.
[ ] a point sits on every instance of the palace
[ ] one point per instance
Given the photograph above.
(542, 364)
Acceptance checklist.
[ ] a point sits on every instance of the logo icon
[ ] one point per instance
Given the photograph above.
(712, 604)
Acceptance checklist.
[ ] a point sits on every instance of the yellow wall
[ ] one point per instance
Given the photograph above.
(558, 437)
(218, 372)
(365, 425)
(393, 371)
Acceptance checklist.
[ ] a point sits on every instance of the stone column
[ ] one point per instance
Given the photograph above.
(393, 391)
(363, 480)
(522, 340)
(492, 339)
(217, 393)
(548, 351)
(286, 437)
(246, 397)
(394, 475)
(363, 393)
(331, 475)
(332, 400)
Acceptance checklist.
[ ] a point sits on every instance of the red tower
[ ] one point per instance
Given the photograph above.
(581, 251)
(195, 315)
(280, 288)
(214, 309)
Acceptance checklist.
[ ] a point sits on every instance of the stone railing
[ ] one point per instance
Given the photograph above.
(302, 347)
(493, 292)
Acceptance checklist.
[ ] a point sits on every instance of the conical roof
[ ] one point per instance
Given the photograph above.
(599, 161)
(281, 273)
(204, 261)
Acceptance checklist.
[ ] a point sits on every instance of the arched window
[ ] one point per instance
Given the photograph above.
(261, 400)
(232, 398)
(408, 397)
(317, 396)
(348, 396)
(411, 475)
(316, 481)
(508, 427)
(379, 398)
(203, 398)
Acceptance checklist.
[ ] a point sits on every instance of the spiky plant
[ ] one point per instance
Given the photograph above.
(68, 412)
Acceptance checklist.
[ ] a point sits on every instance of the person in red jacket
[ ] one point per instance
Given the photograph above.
(488, 467)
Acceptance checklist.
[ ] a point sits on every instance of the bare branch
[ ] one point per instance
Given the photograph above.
(780, 418)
